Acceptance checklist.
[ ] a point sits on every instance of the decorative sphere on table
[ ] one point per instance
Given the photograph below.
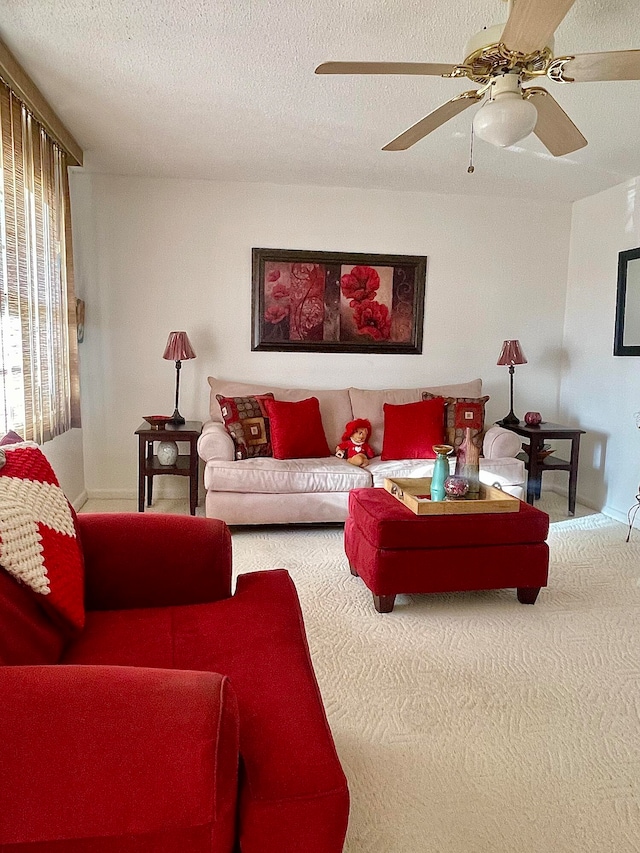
(533, 418)
(456, 486)
(167, 453)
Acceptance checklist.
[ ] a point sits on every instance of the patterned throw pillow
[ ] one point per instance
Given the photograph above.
(38, 541)
(247, 422)
(462, 412)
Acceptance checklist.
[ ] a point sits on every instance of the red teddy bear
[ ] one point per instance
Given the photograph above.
(354, 443)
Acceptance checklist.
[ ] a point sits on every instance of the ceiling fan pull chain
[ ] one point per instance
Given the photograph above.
(471, 168)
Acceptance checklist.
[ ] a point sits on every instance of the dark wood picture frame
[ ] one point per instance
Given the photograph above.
(626, 340)
(305, 301)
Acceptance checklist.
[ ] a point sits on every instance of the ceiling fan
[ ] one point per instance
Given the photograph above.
(500, 59)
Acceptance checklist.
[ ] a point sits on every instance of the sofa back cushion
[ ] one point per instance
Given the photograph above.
(27, 635)
(335, 406)
(369, 404)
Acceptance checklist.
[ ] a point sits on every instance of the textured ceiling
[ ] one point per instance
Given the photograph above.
(225, 90)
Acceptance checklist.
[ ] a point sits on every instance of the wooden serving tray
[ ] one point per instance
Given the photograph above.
(414, 493)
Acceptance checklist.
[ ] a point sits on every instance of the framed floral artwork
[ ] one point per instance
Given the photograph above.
(337, 302)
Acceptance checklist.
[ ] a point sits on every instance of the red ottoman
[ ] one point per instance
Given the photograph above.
(395, 551)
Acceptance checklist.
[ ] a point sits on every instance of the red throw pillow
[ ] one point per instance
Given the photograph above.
(38, 539)
(410, 431)
(296, 429)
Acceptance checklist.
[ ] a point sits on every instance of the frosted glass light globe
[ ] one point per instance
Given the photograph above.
(505, 120)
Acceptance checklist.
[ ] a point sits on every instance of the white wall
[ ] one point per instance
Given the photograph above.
(601, 392)
(65, 455)
(153, 255)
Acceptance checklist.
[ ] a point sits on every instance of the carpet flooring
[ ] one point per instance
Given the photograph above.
(469, 723)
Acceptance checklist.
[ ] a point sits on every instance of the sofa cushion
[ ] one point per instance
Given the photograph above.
(368, 404)
(257, 639)
(247, 422)
(505, 471)
(296, 429)
(284, 476)
(411, 430)
(39, 545)
(380, 470)
(27, 635)
(335, 406)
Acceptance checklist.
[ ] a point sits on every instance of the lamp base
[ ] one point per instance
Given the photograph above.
(509, 420)
(176, 418)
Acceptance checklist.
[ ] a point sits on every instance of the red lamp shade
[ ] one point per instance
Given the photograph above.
(178, 347)
(511, 353)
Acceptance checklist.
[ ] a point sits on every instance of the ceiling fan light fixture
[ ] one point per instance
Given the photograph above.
(505, 120)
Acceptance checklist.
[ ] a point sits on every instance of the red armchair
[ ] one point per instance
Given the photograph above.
(181, 718)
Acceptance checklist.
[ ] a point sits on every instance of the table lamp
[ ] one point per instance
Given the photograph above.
(511, 354)
(178, 349)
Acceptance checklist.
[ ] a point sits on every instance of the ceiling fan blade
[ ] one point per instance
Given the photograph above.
(554, 128)
(611, 65)
(532, 23)
(434, 69)
(433, 120)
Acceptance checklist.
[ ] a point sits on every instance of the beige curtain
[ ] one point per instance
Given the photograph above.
(39, 394)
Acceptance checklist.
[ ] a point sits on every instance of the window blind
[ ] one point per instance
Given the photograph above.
(39, 394)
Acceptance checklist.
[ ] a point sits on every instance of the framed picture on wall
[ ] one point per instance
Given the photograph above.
(626, 339)
(337, 302)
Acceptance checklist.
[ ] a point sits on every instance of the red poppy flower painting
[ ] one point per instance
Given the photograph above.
(333, 302)
(372, 318)
(360, 284)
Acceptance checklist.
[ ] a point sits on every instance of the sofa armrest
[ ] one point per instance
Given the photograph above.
(215, 443)
(99, 752)
(499, 443)
(145, 560)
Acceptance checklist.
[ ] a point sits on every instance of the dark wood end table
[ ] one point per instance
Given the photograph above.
(186, 465)
(537, 435)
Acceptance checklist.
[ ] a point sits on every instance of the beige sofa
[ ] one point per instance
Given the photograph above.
(264, 490)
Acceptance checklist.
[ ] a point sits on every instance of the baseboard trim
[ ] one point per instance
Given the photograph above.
(622, 516)
(560, 490)
(80, 501)
(609, 511)
(112, 495)
(132, 495)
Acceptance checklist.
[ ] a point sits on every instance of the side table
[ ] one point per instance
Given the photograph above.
(186, 465)
(537, 435)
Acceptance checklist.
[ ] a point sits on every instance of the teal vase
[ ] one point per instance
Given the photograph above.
(440, 471)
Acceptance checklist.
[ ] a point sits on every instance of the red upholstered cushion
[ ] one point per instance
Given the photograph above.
(27, 634)
(296, 429)
(246, 421)
(117, 760)
(387, 523)
(38, 539)
(410, 431)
